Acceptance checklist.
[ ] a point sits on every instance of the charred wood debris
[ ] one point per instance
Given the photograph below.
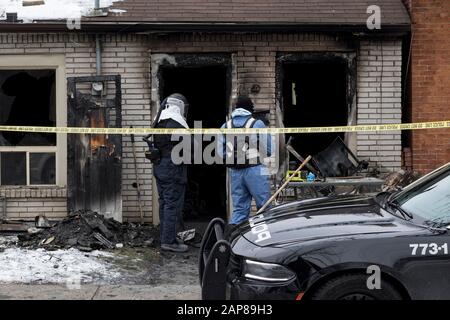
(87, 231)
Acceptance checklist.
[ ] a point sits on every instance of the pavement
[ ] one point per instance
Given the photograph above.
(99, 292)
(125, 274)
(140, 273)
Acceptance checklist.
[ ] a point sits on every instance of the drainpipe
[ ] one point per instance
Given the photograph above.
(98, 55)
(98, 48)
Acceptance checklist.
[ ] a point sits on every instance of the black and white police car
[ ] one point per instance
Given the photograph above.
(324, 248)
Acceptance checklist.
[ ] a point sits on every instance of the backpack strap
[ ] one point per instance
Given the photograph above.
(250, 123)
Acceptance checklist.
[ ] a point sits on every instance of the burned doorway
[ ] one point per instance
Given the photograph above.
(204, 81)
(316, 90)
(95, 160)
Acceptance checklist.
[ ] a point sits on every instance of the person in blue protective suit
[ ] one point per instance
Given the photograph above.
(243, 154)
(171, 178)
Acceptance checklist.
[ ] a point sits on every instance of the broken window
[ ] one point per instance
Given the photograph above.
(27, 98)
(314, 95)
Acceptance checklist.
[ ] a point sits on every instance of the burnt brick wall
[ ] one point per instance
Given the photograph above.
(256, 54)
(255, 59)
(126, 55)
(378, 77)
(430, 81)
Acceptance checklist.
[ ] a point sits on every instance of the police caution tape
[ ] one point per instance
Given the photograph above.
(146, 131)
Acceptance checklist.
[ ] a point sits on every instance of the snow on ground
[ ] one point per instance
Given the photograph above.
(52, 9)
(71, 267)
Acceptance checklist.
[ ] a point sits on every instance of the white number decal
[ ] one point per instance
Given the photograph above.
(428, 248)
(424, 247)
(434, 248)
(414, 246)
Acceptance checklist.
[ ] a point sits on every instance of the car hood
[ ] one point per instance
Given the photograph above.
(321, 218)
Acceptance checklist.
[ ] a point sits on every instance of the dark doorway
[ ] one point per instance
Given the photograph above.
(206, 89)
(314, 95)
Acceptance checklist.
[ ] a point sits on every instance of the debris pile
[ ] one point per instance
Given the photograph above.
(397, 180)
(87, 231)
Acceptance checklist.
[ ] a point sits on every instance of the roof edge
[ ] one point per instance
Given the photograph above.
(151, 27)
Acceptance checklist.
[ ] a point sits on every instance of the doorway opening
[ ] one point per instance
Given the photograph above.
(314, 94)
(207, 90)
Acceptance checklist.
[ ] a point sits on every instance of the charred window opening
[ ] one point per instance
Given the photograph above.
(27, 98)
(206, 87)
(316, 90)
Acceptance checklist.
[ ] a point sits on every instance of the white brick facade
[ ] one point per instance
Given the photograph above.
(379, 101)
(255, 58)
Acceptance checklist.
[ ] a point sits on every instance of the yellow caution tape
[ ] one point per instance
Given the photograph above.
(145, 131)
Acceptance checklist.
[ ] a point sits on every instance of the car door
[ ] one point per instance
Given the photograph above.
(427, 268)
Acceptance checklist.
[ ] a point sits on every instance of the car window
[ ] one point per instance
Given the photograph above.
(430, 200)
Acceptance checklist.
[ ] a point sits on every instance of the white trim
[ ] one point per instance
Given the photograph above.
(27, 167)
(28, 151)
(32, 149)
(45, 61)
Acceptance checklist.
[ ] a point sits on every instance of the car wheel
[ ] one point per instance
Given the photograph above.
(354, 287)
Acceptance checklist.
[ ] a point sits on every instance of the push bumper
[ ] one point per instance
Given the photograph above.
(243, 289)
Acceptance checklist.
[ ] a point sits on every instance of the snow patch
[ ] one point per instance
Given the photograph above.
(117, 11)
(18, 265)
(52, 9)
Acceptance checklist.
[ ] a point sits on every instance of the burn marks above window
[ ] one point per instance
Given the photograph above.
(27, 98)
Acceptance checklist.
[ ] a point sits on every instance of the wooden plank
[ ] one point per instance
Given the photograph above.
(10, 227)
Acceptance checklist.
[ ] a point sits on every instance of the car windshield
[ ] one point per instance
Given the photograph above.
(429, 197)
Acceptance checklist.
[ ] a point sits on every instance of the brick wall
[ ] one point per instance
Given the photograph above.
(123, 54)
(128, 56)
(256, 54)
(28, 202)
(430, 85)
(379, 62)
(407, 4)
(255, 59)
(379, 101)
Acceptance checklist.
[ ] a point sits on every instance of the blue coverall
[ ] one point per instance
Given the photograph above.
(251, 182)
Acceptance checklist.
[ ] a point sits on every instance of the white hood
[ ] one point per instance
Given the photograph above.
(240, 112)
(173, 112)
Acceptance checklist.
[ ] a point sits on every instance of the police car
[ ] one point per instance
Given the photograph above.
(389, 246)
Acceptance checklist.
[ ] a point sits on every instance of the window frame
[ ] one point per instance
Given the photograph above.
(54, 62)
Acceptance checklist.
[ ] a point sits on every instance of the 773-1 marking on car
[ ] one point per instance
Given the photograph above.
(430, 248)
